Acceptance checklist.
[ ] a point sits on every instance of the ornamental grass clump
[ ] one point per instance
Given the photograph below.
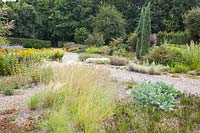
(148, 68)
(158, 95)
(191, 56)
(84, 93)
(30, 76)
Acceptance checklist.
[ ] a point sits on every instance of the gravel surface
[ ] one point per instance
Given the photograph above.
(70, 57)
(17, 101)
(22, 116)
(182, 83)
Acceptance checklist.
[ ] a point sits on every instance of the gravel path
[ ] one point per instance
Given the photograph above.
(14, 111)
(17, 101)
(182, 83)
(70, 57)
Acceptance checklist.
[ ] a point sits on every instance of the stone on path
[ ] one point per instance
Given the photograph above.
(98, 60)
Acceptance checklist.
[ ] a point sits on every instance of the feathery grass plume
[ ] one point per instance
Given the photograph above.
(85, 92)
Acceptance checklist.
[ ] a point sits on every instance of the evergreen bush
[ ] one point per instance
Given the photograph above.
(143, 32)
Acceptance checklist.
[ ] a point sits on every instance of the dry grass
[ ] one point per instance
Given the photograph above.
(84, 92)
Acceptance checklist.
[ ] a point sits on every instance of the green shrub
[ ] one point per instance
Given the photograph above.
(173, 38)
(165, 54)
(98, 50)
(132, 40)
(73, 50)
(120, 53)
(118, 47)
(95, 39)
(145, 67)
(81, 35)
(69, 45)
(9, 92)
(8, 64)
(29, 43)
(73, 47)
(180, 68)
(66, 44)
(198, 69)
(192, 21)
(60, 44)
(158, 95)
(56, 56)
(3, 41)
(116, 61)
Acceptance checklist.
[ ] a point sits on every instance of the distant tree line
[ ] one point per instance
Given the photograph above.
(57, 20)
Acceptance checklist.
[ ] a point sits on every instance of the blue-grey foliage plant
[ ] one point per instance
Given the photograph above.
(158, 95)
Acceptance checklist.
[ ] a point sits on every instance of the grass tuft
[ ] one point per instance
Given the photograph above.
(33, 103)
(86, 94)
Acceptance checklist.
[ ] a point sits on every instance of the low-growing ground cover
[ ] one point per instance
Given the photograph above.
(131, 118)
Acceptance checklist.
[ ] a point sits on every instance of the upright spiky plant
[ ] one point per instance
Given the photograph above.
(139, 33)
(143, 32)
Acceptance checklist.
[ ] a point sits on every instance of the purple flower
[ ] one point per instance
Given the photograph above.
(15, 46)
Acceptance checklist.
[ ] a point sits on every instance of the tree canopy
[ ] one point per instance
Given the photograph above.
(5, 25)
(110, 23)
(58, 19)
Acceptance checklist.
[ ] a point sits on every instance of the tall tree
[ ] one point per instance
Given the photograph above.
(143, 32)
(192, 21)
(25, 20)
(110, 23)
(58, 19)
(167, 14)
(130, 10)
(146, 30)
(5, 25)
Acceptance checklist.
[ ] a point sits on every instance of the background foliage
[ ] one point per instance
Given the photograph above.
(57, 20)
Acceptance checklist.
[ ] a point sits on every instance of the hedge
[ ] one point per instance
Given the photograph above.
(173, 37)
(29, 43)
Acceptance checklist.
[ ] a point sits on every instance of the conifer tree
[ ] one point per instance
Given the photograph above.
(139, 34)
(143, 32)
